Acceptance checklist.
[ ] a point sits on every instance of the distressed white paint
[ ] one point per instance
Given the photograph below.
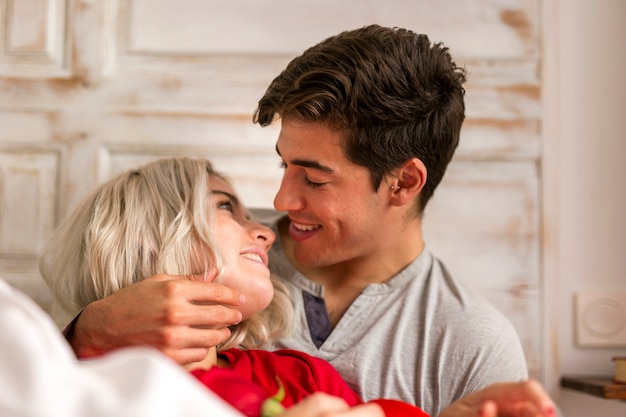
(33, 41)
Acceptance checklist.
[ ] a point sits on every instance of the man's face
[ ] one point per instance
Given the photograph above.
(335, 213)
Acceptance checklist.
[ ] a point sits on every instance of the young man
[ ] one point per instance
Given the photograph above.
(370, 120)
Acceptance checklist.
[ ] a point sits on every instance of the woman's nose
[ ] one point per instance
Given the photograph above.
(264, 234)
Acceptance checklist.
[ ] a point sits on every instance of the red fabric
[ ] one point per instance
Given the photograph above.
(399, 408)
(241, 393)
(252, 378)
(300, 374)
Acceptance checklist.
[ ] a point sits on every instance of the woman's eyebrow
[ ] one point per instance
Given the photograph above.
(230, 196)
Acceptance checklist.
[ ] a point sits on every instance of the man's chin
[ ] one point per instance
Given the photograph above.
(311, 258)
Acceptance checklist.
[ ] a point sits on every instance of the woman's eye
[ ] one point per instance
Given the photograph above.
(226, 205)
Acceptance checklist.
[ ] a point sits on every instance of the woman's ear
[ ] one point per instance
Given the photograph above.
(408, 181)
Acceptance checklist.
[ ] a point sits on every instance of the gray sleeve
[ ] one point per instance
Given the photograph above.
(504, 360)
(492, 353)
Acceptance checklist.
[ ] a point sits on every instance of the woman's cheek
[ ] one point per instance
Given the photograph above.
(258, 297)
(266, 292)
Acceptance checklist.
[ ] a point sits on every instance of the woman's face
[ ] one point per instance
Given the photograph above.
(243, 244)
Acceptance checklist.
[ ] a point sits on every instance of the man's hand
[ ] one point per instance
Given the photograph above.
(180, 316)
(521, 399)
(325, 405)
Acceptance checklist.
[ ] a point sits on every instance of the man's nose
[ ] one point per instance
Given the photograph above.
(288, 197)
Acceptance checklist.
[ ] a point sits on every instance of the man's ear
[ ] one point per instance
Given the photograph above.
(408, 181)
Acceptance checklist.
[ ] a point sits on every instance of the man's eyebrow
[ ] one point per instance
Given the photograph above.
(309, 163)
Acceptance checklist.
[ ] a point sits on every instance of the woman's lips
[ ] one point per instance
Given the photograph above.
(256, 254)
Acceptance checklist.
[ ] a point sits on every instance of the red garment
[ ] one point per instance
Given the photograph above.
(253, 377)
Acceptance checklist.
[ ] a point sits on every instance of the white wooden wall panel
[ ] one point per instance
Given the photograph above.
(90, 88)
(259, 189)
(484, 223)
(476, 28)
(33, 42)
(28, 188)
(29, 178)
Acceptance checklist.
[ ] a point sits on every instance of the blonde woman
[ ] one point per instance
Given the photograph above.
(178, 216)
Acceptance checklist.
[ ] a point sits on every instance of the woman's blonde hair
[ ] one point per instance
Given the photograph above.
(157, 219)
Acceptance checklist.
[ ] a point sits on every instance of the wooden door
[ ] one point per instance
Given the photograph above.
(90, 88)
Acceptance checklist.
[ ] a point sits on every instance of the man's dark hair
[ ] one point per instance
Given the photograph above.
(394, 94)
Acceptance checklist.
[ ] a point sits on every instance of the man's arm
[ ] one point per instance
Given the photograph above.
(179, 316)
(514, 399)
(321, 404)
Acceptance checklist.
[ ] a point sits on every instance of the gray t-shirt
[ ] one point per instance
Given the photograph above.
(422, 336)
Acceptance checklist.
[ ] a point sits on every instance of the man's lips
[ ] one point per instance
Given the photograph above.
(300, 231)
(304, 227)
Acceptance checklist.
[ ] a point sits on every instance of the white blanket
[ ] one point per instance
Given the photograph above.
(40, 376)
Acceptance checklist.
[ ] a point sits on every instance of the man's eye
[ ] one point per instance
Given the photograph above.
(313, 184)
(307, 181)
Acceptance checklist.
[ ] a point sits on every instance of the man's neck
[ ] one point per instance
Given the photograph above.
(343, 282)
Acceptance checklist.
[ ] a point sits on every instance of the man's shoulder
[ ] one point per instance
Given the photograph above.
(456, 299)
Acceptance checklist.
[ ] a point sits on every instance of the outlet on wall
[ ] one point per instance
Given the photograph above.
(600, 320)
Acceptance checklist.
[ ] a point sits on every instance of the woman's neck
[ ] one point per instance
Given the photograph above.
(209, 361)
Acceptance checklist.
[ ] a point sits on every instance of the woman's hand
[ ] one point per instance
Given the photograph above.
(180, 316)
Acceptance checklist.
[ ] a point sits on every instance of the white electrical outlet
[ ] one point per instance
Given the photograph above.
(600, 320)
